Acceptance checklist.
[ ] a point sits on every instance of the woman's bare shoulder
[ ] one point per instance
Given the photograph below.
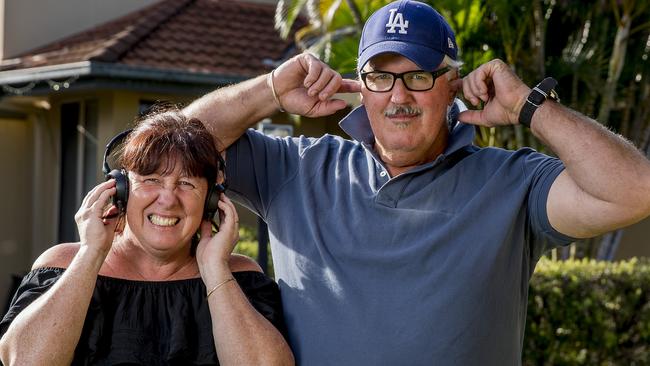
(59, 256)
(240, 263)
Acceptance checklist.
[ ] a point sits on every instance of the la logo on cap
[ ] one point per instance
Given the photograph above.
(396, 20)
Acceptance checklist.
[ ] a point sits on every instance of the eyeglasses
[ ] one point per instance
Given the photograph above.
(417, 80)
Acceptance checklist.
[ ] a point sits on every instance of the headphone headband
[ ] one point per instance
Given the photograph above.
(109, 147)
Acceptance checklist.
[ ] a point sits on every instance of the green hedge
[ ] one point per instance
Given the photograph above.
(585, 312)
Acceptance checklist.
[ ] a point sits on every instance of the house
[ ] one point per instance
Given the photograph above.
(62, 101)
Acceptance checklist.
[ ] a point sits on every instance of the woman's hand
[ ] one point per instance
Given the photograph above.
(97, 225)
(214, 250)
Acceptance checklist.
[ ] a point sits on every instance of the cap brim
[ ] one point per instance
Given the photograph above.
(426, 58)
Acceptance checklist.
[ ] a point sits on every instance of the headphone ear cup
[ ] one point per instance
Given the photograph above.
(121, 196)
(212, 201)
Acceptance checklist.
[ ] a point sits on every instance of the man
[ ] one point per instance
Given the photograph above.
(409, 245)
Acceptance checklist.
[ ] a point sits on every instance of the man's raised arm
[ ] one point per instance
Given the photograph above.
(303, 85)
(606, 184)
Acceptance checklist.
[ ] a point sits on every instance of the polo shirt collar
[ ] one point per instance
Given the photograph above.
(357, 125)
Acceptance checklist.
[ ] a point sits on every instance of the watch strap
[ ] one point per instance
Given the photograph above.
(540, 93)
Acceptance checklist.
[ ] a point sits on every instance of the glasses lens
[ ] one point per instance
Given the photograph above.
(383, 81)
(379, 81)
(418, 80)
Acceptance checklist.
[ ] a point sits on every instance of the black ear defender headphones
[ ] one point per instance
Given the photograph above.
(120, 175)
(212, 199)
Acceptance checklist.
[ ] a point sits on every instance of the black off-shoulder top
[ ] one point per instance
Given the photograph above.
(148, 323)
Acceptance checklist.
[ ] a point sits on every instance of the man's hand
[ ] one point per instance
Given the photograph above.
(305, 86)
(503, 93)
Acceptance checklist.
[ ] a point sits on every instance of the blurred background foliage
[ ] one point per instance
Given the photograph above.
(598, 50)
(248, 245)
(587, 312)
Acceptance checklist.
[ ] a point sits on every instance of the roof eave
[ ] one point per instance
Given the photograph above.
(115, 71)
(34, 74)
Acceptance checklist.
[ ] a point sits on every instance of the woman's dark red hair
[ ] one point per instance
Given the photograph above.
(164, 138)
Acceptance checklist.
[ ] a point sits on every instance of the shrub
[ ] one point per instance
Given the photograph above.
(586, 312)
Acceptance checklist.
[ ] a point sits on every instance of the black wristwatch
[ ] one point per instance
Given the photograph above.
(540, 93)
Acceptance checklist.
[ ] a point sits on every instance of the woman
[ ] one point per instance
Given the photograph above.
(148, 291)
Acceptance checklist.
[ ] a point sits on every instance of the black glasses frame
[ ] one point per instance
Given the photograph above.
(435, 74)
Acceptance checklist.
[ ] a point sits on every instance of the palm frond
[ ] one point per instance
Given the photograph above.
(286, 13)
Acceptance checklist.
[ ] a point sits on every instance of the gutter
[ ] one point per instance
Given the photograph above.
(113, 71)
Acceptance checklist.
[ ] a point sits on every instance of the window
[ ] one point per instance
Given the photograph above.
(78, 162)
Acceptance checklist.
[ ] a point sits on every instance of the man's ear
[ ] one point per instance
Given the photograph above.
(455, 85)
(361, 86)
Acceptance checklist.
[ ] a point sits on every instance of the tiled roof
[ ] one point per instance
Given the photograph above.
(223, 37)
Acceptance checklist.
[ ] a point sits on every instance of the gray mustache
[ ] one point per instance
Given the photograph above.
(401, 109)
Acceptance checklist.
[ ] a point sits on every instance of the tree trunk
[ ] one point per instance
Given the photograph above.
(616, 62)
(609, 245)
(539, 38)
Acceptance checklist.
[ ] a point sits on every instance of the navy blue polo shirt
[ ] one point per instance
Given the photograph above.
(427, 268)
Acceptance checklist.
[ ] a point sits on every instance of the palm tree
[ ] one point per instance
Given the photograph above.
(598, 50)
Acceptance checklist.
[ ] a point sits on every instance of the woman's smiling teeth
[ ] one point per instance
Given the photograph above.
(163, 221)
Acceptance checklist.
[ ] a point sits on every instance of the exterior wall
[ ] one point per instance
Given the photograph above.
(16, 157)
(55, 19)
(45, 181)
(2, 28)
(29, 155)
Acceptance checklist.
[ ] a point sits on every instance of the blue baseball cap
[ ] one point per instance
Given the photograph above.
(409, 28)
